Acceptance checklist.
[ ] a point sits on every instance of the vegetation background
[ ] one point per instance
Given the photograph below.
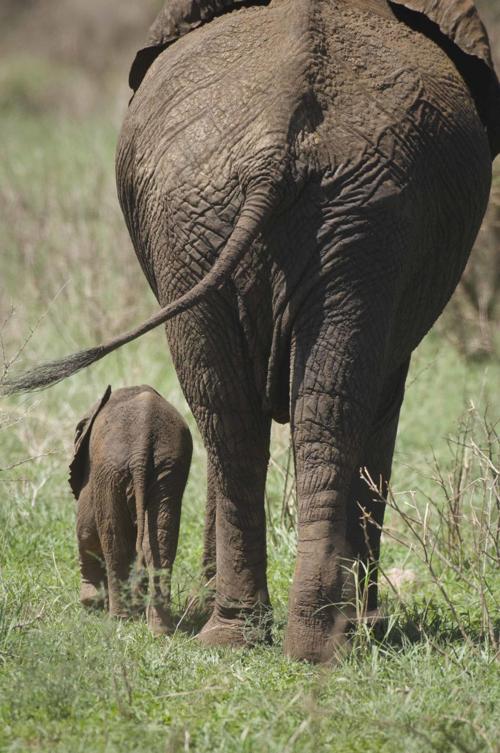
(72, 681)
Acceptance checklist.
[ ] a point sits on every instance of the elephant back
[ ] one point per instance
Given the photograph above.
(453, 24)
(176, 19)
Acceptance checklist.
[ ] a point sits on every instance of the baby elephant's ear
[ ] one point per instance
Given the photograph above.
(82, 436)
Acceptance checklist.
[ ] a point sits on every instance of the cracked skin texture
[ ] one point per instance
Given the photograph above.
(377, 166)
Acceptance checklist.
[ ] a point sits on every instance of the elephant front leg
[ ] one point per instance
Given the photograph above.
(241, 614)
(217, 379)
(209, 557)
(202, 597)
(336, 373)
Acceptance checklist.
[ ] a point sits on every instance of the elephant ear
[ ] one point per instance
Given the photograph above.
(458, 22)
(177, 18)
(79, 463)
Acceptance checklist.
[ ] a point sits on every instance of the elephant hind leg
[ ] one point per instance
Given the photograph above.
(161, 534)
(117, 536)
(337, 380)
(92, 570)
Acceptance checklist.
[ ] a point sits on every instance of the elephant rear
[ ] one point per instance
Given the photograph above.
(365, 135)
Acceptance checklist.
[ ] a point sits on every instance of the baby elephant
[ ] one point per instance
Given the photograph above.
(128, 474)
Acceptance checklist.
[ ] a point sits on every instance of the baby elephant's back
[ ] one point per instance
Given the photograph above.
(138, 429)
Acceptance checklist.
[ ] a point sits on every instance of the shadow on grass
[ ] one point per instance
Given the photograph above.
(431, 623)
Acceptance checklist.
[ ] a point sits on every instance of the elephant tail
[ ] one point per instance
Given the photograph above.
(255, 212)
(140, 509)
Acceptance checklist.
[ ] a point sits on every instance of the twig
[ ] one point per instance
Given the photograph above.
(27, 460)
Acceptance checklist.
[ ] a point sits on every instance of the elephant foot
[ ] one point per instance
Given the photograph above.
(319, 640)
(377, 622)
(201, 600)
(160, 621)
(328, 639)
(119, 606)
(92, 597)
(248, 628)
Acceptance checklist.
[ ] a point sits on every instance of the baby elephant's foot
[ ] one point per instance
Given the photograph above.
(92, 597)
(160, 621)
(246, 628)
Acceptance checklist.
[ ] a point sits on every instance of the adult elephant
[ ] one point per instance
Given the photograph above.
(303, 181)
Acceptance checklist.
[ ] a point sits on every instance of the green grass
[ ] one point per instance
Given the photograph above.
(72, 681)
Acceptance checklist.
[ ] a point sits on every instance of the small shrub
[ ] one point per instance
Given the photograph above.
(451, 538)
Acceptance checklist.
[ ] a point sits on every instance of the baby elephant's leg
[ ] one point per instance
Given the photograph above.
(159, 546)
(116, 529)
(92, 569)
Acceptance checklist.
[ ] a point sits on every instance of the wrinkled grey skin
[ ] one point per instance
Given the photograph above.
(356, 144)
(130, 466)
(303, 181)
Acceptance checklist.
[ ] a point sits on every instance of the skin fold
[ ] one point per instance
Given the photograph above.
(128, 474)
(303, 181)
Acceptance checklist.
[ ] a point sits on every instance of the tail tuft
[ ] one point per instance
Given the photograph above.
(51, 372)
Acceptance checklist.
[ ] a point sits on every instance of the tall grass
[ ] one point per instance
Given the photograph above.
(450, 535)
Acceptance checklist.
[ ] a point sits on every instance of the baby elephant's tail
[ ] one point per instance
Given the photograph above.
(256, 210)
(140, 508)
